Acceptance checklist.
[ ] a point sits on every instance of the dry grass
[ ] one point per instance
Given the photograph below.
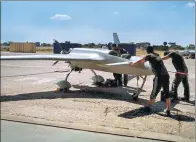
(141, 52)
(4, 48)
(44, 49)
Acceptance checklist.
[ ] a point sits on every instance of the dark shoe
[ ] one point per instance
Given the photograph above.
(185, 99)
(168, 113)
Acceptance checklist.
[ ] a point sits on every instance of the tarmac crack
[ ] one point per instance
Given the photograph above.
(179, 123)
(106, 111)
(85, 101)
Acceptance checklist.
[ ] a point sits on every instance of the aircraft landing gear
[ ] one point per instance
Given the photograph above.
(139, 89)
(97, 79)
(64, 85)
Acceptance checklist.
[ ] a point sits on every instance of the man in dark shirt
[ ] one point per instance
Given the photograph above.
(117, 77)
(121, 50)
(124, 54)
(180, 66)
(161, 77)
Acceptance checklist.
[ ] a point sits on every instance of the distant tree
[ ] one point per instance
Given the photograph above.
(146, 43)
(178, 47)
(142, 44)
(138, 44)
(191, 46)
(44, 44)
(85, 45)
(100, 45)
(165, 43)
(5, 44)
(48, 44)
(91, 45)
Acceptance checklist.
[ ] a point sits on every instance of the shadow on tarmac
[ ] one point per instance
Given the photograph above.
(156, 109)
(72, 94)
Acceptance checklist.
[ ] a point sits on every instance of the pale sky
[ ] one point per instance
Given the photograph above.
(86, 22)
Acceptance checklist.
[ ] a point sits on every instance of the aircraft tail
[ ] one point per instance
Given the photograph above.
(116, 39)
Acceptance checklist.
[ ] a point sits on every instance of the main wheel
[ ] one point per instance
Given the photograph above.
(63, 84)
(135, 97)
(65, 90)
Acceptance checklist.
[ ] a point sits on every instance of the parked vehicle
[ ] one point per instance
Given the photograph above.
(191, 54)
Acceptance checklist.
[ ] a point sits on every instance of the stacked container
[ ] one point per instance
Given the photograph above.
(23, 47)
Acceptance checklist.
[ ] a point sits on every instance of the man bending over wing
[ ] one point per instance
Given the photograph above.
(126, 55)
(117, 76)
(180, 66)
(161, 78)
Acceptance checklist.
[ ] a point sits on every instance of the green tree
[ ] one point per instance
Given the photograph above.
(165, 43)
(191, 46)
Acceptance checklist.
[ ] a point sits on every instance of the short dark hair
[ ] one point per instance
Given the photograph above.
(150, 49)
(119, 45)
(114, 45)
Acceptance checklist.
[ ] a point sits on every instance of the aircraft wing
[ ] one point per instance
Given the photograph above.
(125, 68)
(132, 60)
(57, 57)
(118, 64)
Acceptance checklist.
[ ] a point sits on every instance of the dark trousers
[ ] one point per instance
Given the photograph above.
(158, 82)
(176, 82)
(125, 81)
(118, 78)
(126, 56)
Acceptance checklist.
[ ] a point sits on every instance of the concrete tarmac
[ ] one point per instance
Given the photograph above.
(27, 93)
(23, 132)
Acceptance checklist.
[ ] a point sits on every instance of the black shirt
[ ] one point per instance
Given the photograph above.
(178, 62)
(122, 51)
(158, 67)
(114, 53)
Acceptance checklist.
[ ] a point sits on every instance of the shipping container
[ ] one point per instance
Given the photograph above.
(65, 46)
(130, 48)
(23, 47)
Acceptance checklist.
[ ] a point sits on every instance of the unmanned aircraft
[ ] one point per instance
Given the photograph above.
(94, 59)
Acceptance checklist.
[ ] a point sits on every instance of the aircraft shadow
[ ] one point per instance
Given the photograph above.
(71, 94)
(156, 109)
(159, 106)
(128, 88)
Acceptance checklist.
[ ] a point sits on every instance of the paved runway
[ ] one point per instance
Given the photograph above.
(27, 91)
(22, 132)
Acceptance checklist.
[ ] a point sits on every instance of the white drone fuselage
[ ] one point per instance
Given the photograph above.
(141, 69)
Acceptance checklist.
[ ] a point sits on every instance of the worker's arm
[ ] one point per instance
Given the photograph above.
(168, 56)
(165, 57)
(139, 61)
